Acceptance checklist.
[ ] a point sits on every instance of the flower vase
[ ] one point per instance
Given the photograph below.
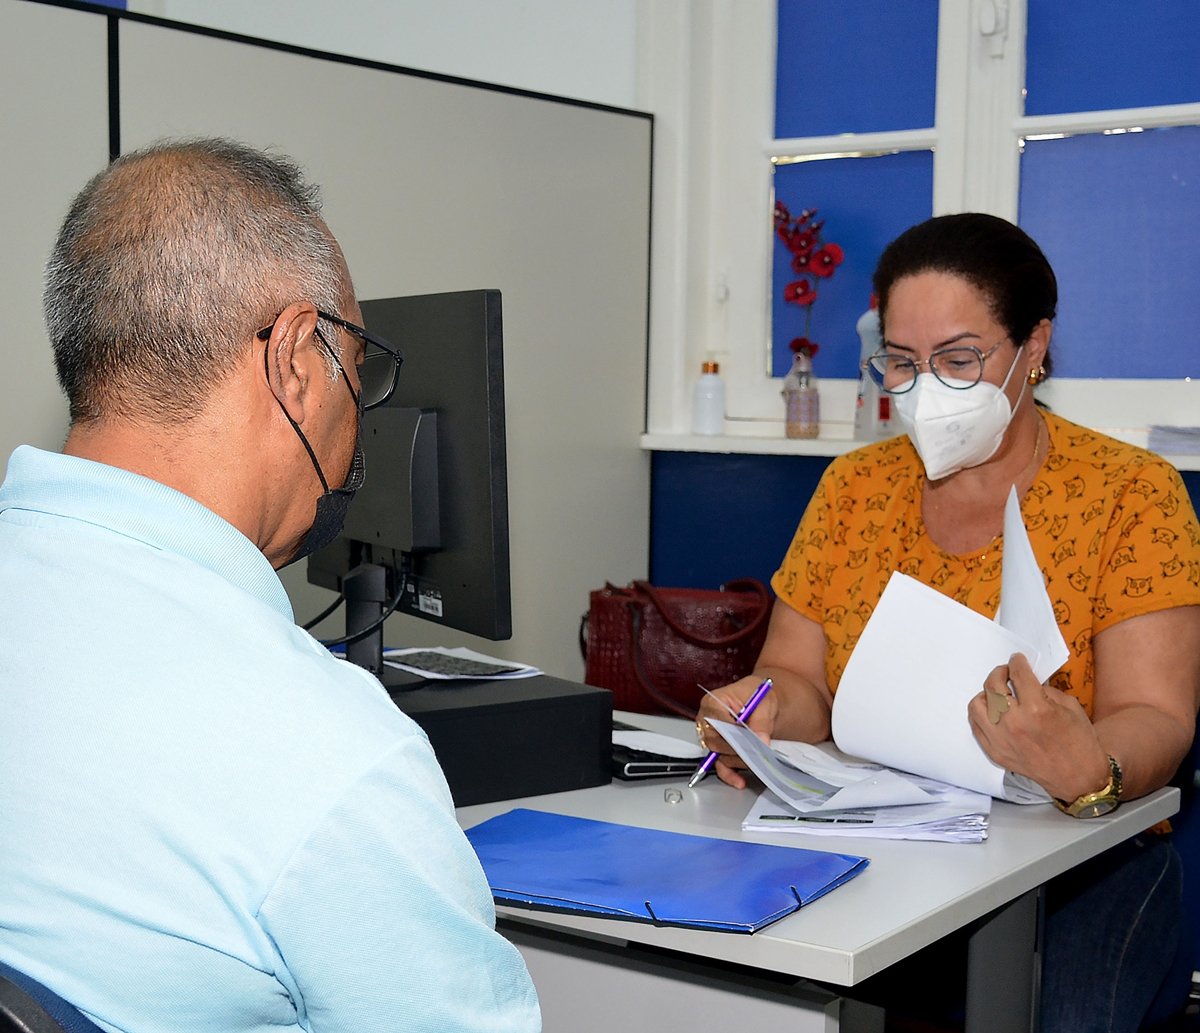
(802, 402)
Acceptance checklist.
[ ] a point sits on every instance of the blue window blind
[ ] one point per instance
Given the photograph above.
(854, 66)
(1119, 219)
(865, 203)
(1111, 54)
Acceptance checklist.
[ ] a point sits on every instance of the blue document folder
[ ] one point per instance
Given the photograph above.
(556, 862)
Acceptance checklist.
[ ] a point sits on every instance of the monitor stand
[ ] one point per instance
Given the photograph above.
(367, 594)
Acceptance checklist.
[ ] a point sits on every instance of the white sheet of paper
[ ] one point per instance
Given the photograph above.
(825, 761)
(902, 700)
(1025, 608)
(663, 745)
(884, 788)
(903, 697)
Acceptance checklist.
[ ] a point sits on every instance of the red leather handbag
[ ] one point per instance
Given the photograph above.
(654, 647)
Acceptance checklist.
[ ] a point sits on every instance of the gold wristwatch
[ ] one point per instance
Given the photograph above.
(1103, 801)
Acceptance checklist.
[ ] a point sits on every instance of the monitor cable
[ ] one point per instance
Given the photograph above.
(376, 624)
(309, 625)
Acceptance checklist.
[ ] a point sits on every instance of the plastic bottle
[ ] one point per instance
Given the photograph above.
(708, 401)
(801, 400)
(873, 408)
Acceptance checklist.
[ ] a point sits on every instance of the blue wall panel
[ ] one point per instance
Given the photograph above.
(1119, 219)
(823, 51)
(1111, 54)
(716, 517)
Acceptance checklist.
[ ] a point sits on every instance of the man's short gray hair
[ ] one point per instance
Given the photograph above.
(167, 262)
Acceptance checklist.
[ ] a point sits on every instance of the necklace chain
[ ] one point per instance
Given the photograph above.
(1037, 441)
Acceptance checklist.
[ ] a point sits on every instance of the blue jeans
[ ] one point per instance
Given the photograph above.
(1111, 931)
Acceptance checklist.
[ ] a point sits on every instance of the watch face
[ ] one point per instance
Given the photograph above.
(1096, 808)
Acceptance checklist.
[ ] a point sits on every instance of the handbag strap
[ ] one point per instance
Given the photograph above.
(746, 585)
(639, 669)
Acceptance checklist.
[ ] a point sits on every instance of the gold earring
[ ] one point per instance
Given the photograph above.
(1036, 376)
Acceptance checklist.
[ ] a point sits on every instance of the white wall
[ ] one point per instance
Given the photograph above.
(582, 49)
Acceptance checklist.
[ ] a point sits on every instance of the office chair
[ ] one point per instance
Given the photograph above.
(28, 1007)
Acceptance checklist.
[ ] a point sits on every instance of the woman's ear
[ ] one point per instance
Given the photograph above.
(1038, 344)
(294, 358)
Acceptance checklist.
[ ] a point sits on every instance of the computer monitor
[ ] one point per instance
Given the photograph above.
(428, 530)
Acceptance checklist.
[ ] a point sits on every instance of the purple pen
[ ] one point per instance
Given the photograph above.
(747, 710)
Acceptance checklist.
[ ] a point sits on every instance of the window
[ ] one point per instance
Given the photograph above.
(1101, 169)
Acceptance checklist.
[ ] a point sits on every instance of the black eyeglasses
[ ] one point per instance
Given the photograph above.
(380, 368)
(959, 367)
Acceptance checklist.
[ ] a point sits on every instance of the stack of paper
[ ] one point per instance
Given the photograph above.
(443, 663)
(1174, 441)
(820, 791)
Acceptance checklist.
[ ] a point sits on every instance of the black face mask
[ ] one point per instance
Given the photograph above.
(332, 505)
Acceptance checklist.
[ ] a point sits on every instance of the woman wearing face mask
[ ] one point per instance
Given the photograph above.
(966, 305)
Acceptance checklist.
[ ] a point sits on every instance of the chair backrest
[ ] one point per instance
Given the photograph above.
(20, 1012)
(26, 1006)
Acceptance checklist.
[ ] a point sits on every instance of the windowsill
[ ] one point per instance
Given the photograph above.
(834, 440)
(759, 438)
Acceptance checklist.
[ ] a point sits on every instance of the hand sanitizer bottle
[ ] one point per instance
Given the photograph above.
(708, 401)
(873, 408)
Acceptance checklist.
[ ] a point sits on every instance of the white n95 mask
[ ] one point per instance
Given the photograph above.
(955, 428)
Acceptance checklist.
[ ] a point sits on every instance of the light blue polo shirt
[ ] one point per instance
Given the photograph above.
(206, 821)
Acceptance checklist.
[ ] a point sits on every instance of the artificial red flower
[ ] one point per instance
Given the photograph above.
(799, 292)
(801, 242)
(825, 260)
(812, 261)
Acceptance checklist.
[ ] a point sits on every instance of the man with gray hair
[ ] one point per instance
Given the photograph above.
(206, 820)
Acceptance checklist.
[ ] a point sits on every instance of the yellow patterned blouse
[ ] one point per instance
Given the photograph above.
(1111, 525)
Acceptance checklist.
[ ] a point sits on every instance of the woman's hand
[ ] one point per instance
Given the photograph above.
(798, 705)
(1143, 712)
(1037, 731)
(734, 697)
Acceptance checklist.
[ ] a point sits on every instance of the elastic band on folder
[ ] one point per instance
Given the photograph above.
(653, 916)
(796, 894)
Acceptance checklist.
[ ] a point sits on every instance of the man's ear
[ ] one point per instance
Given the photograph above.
(295, 358)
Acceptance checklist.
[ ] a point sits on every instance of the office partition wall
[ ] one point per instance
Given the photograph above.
(438, 185)
(53, 136)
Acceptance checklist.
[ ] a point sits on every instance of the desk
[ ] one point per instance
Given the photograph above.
(911, 895)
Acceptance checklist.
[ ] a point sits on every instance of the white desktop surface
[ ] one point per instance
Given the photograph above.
(911, 894)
